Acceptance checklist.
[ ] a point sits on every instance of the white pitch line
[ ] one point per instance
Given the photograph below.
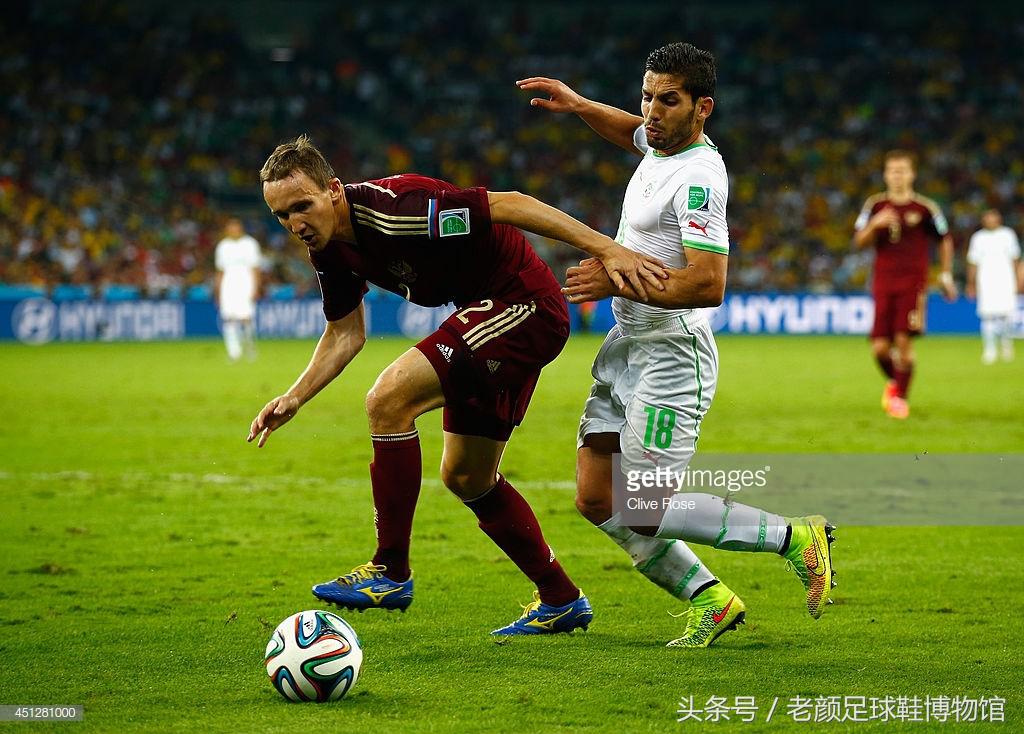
(229, 479)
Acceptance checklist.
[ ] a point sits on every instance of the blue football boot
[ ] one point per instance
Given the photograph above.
(543, 619)
(366, 587)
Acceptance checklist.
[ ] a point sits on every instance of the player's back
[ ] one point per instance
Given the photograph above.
(433, 243)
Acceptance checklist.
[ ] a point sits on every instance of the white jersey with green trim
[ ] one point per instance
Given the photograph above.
(672, 202)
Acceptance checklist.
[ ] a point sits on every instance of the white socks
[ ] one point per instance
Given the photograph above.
(996, 329)
(710, 520)
(239, 338)
(249, 339)
(670, 564)
(233, 339)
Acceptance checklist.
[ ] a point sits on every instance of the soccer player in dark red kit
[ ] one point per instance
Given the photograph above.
(901, 225)
(433, 243)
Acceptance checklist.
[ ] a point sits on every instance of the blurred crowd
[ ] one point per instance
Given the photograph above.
(129, 133)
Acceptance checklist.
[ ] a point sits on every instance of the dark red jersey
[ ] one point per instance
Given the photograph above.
(903, 253)
(431, 243)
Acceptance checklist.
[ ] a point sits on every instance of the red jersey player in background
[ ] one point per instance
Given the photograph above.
(433, 243)
(901, 224)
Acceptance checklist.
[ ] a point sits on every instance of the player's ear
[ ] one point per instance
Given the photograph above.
(704, 107)
(334, 187)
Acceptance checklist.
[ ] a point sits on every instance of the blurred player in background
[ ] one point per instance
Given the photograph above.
(655, 374)
(433, 243)
(994, 276)
(901, 225)
(237, 286)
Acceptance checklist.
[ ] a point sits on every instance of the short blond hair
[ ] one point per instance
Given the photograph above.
(899, 154)
(297, 155)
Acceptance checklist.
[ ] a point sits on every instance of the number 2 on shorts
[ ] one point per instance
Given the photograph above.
(660, 423)
(485, 305)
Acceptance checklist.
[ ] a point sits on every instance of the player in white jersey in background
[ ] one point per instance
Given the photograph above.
(655, 374)
(238, 263)
(994, 276)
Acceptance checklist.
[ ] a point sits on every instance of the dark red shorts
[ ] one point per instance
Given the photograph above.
(489, 355)
(899, 311)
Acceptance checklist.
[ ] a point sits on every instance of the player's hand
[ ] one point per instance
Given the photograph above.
(640, 271)
(885, 218)
(949, 291)
(560, 97)
(275, 414)
(588, 281)
(970, 292)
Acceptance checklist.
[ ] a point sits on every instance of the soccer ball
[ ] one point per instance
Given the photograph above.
(313, 656)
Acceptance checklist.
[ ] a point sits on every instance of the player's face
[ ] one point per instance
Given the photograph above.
(303, 208)
(991, 219)
(671, 116)
(898, 174)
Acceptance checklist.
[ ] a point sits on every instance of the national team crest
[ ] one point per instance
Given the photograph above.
(402, 270)
(698, 198)
(452, 222)
(912, 218)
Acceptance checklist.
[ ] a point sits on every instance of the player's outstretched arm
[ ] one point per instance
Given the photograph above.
(339, 344)
(624, 266)
(611, 123)
(700, 284)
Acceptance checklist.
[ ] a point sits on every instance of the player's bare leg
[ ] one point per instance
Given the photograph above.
(881, 347)
(469, 464)
(405, 390)
(904, 350)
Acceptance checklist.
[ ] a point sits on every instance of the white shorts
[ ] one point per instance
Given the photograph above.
(653, 387)
(237, 304)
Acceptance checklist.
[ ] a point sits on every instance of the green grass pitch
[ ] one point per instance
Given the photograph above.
(148, 551)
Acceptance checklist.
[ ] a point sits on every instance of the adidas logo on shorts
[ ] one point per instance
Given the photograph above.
(493, 365)
(446, 352)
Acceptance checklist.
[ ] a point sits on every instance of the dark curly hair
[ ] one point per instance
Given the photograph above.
(694, 66)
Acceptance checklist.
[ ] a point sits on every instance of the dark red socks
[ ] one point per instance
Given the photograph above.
(508, 520)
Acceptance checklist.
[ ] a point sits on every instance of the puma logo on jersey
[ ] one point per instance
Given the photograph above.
(702, 229)
(650, 457)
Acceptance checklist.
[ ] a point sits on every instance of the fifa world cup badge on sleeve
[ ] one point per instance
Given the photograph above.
(698, 198)
(453, 222)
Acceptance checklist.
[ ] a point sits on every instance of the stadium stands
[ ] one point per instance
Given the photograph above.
(131, 131)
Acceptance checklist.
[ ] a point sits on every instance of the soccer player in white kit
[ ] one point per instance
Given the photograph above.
(238, 262)
(994, 276)
(655, 374)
